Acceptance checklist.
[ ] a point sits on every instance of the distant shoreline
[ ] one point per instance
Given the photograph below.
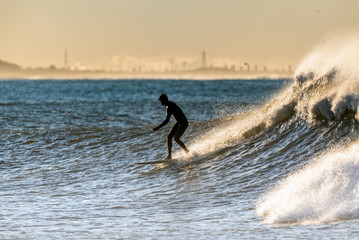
(198, 74)
(14, 71)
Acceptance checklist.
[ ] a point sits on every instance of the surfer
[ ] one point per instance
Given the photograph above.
(178, 129)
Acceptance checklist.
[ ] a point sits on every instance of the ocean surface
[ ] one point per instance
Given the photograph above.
(269, 159)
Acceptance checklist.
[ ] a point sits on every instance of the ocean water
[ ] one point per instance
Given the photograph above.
(69, 149)
(270, 158)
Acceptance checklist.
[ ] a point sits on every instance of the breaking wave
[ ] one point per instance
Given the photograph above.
(325, 90)
(326, 189)
(325, 87)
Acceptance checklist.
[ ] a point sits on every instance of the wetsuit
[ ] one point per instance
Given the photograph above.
(178, 129)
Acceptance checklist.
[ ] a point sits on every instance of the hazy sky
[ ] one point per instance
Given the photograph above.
(99, 32)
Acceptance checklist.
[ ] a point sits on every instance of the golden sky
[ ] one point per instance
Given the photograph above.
(102, 32)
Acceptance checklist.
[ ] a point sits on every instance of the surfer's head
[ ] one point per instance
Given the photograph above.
(163, 99)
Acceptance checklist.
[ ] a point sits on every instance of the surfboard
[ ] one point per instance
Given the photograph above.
(176, 161)
(181, 162)
(155, 162)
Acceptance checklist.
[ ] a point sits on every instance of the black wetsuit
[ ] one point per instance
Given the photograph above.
(179, 128)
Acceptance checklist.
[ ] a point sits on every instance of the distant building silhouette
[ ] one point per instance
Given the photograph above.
(66, 62)
(204, 64)
(248, 66)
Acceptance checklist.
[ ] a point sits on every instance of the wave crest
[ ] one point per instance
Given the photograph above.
(327, 81)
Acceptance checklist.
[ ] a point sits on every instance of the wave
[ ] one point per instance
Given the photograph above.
(325, 89)
(228, 131)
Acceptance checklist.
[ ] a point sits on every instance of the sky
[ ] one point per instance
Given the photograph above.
(99, 33)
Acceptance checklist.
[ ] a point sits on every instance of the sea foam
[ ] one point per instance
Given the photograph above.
(325, 190)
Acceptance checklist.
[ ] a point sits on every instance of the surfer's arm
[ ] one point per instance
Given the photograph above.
(164, 122)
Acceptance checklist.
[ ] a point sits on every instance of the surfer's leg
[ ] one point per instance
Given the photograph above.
(169, 140)
(179, 134)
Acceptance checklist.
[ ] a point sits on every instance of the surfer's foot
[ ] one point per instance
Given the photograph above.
(168, 158)
(186, 150)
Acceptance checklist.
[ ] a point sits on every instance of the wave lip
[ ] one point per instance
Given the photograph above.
(327, 80)
(325, 190)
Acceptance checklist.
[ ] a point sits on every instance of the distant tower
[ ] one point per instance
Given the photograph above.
(248, 66)
(66, 63)
(204, 59)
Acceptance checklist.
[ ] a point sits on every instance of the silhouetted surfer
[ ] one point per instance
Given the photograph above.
(178, 129)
